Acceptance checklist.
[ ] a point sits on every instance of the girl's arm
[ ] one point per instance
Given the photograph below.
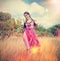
(24, 26)
(35, 26)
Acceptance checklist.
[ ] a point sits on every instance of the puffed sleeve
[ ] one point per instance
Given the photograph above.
(35, 24)
(24, 26)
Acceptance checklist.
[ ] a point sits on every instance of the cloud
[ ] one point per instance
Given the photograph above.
(44, 16)
(18, 7)
(31, 1)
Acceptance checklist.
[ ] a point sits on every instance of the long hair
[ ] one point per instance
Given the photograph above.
(27, 14)
(31, 19)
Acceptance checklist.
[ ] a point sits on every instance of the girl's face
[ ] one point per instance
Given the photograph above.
(26, 16)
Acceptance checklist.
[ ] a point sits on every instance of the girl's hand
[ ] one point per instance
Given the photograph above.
(36, 26)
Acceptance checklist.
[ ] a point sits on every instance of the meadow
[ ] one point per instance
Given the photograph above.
(14, 49)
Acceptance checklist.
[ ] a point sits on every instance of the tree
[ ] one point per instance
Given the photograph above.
(41, 28)
(4, 16)
(4, 28)
(53, 29)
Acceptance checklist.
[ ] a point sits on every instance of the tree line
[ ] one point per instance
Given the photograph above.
(8, 25)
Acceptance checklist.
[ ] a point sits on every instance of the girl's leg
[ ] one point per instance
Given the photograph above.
(26, 41)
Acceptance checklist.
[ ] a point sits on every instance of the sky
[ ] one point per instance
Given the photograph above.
(45, 12)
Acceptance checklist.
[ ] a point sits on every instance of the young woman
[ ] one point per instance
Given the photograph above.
(30, 37)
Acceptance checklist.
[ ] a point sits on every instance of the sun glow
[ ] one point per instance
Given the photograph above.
(34, 50)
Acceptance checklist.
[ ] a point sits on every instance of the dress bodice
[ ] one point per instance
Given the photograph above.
(31, 24)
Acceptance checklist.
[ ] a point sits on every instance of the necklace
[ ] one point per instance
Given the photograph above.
(30, 21)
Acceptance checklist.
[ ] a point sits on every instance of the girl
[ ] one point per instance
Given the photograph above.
(30, 37)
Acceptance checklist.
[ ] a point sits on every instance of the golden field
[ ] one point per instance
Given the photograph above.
(13, 49)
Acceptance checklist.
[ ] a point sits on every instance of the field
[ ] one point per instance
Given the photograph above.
(13, 49)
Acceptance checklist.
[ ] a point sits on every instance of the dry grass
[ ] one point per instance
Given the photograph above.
(13, 49)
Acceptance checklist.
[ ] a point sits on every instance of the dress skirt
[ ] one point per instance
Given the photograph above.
(30, 38)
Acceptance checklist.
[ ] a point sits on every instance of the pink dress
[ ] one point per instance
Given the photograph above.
(30, 37)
